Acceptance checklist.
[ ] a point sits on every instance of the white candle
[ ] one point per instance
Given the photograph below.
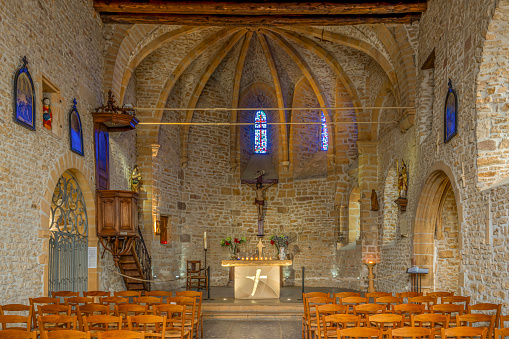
(205, 240)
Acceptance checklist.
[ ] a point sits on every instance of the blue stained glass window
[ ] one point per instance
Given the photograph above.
(260, 144)
(325, 134)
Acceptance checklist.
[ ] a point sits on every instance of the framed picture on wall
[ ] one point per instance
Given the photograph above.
(75, 130)
(450, 114)
(24, 97)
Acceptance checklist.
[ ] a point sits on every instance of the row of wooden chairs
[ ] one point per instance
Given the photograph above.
(73, 334)
(419, 332)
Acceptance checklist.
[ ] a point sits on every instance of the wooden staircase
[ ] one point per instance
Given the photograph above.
(129, 264)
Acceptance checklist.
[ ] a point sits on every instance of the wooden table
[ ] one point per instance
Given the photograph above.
(258, 279)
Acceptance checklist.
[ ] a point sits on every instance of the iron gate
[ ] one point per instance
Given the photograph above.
(68, 244)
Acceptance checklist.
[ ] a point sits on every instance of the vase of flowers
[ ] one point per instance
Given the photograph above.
(281, 242)
(232, 244)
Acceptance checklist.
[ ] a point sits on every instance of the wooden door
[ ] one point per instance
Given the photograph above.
(102, 162)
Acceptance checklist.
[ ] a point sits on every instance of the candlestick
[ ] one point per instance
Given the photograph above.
(205, 240)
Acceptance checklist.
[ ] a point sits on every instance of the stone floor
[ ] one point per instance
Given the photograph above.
(251, 329)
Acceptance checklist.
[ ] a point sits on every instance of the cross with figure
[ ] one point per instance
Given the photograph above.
(257, 186)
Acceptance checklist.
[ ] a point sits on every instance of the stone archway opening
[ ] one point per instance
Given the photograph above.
(436, 234)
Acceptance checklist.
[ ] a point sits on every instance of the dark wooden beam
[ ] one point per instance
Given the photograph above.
(250, 21)
(366, 7)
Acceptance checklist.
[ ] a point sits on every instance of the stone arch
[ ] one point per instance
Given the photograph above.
(354, 215)
(390, 209)
(85, 178)
(436, 190)
(491, 105)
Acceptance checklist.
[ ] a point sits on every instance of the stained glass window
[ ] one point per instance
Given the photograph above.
(260, 144)
(325, 134)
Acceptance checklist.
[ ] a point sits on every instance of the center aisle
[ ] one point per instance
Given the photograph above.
(251, 329)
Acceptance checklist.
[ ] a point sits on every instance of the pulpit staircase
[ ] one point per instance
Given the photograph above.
(137, 264)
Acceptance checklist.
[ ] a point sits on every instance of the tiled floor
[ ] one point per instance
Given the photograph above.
(251, 329)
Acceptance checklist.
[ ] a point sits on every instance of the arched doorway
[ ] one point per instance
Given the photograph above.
(436, 234)
(68, 243)
(354, 216)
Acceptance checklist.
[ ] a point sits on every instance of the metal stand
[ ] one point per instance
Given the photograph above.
(303, 272)
(205, 257)
(208, 281)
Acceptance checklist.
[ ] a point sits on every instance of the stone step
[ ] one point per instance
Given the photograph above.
(232, 311)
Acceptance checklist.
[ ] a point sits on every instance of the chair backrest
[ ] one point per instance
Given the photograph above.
(12, 322)
(475, 319)
(164, 295)
(148, 301)
(127, 310)
(497, 308)
(175, 316)
(79, 300)
(379, 320)
(434, 320)
(378, 295)
(340, 321)
(315, 295)
(439, 295)
(18, 334)
(65, 294)
(353, 301)
(409, 294)
(388, 301)
(360, 332)
(113, 300)
(34, 302)
(501, 333)
(503, 319)
(193, 294)
(68, 334)
(153, 323)
(18, 308)
(193, 266)
(425, 300)
(408, 309)
(92, 309)
(340, 295)
(54, 309)
(464, 331)
(121, 334)
(457, 299)
(127, 294)
(56, 322)
(448, 309)
(101, 322)
(367, 309)
(189, 303)
(96, 294)
(412, 332)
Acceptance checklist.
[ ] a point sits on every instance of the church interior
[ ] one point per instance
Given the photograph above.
(255, 152)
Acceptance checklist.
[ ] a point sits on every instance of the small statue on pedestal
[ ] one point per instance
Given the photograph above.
(135, 179)
(47, 116)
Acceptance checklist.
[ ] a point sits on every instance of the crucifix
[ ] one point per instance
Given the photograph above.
(257, 186)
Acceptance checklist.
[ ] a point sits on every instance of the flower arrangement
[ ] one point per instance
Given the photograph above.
(233, 244)
(281, 242)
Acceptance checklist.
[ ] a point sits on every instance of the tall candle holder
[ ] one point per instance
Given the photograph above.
(371, 282)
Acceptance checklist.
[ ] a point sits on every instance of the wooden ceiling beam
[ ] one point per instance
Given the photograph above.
(366, 7)
(246, 21)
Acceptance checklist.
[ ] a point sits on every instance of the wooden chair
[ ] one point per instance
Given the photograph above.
(175, 320)
(436, 322)
(18, 334)
(365, 310)
(503, 319)
(48, 323)
(380, 321)
(455, 299)
(161, 294)
(426, 301)
(96, 294)
(13, 322)
(101, 323)
(360, 332)
(191, 321)
(439, 295)
(351, 302)
(153, 325)
(407, 295)
(340, 295)
(450, 309)
(497, 308)
(196, 276)
(121, 334)
(74, 302)
(89, 310)
(464, 331)
(199, 312)
(129, 295)
(149, 302)
(375, 295)
(406, 310)
(16, 308)
(475, 320)
(324, 310)
(127, 310)
(310, 313)
(306, 296)
(411, 332)
(54, 309)
(68, 334)
(331, 323)
(388, 302)
(501, 333)
(35, 302)
(112, 301)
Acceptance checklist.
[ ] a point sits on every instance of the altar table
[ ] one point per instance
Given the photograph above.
(258, 279)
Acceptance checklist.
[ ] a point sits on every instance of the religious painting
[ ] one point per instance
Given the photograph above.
(75, 130)
(450, 114)
(24, 97)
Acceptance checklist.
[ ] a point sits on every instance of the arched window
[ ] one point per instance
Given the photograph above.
(324, 134)
(260, 144)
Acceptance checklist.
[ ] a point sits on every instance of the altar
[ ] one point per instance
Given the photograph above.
(257, 279)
